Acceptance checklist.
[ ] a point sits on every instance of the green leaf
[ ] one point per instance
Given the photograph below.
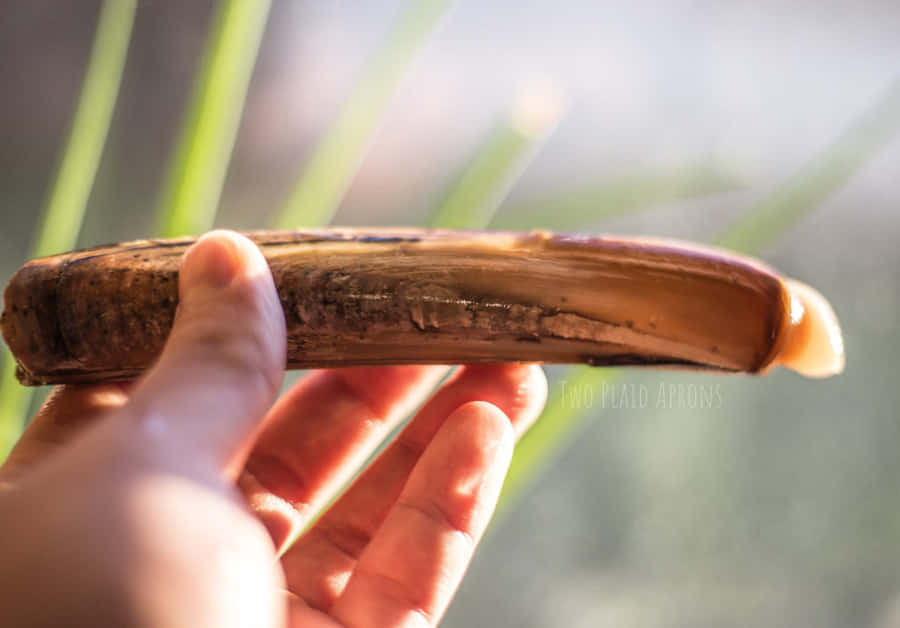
(64, 212)
(558, 425)
(67, 201)
(625, 195)
(15, 401)
(498, 162)
(328, 172)
(820, 179)
(194, 181)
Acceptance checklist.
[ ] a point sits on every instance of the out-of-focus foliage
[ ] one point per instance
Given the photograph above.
(499, 160)
(67, 200)
(594, 203)
(328, 171)
(825, 175)
(193, 186)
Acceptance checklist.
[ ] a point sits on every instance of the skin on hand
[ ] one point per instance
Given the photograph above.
(171, 501)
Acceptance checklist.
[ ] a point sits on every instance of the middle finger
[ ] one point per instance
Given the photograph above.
(321, 431)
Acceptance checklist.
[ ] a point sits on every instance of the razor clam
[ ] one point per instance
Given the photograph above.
(356, 297)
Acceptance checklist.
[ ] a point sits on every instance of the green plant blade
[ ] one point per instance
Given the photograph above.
(335, 159)
(616, 197)
(498, 162)
(15, 401)
(194, 181)
(762, 224)
(820, 179)
(67, 200)
(565, 413)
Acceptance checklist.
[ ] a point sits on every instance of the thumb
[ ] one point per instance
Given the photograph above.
(223, 363)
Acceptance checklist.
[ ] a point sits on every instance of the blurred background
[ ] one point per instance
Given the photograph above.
(769, 127)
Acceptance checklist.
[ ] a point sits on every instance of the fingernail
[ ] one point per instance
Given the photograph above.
(212, 262)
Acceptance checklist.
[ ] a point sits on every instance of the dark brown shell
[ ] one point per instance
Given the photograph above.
(370, 297)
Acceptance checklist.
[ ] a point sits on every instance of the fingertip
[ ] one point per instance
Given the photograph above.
(225, 284)
(484, 429)
(216, 259)
(519, 390)
(532, 391)
(213, 261)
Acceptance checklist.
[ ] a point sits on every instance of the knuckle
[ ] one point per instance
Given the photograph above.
(455, 518)
(346, 537)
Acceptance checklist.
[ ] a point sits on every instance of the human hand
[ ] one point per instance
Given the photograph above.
(172, 501)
